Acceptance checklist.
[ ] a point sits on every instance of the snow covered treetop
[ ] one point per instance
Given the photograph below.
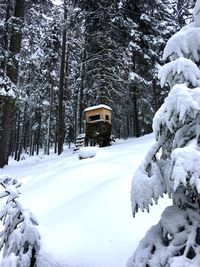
(186, 42)
(196, 13)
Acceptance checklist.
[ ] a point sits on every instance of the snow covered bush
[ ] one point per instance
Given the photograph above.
(87, 152)
(172, 165)
(19, 237)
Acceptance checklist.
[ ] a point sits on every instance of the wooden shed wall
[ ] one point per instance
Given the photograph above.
(102, 112)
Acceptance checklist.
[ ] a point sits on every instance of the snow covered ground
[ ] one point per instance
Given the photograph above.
(83, 206)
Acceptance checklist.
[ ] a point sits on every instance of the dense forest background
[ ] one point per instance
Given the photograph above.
(57, 60)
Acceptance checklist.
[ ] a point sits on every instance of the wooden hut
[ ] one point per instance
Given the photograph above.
(98, 125)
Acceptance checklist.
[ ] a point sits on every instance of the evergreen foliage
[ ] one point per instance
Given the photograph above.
(19, 238)
(172, 165)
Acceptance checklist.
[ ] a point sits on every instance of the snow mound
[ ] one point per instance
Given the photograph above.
(87, 152)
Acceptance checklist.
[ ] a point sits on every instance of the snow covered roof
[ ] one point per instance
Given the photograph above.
(97, 107)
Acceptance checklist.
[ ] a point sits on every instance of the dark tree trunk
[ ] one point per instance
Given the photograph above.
(6, 106)
(15, 41)
(12, 73)
(13, 137)
(79, 117)
(136, 126)
(17, 133)
(4, 35)
(31, 149)
(104, 97)
(155, 96)
(37, 137)
(22, 136)
(56, 141)
(61, 88)
(50, 118)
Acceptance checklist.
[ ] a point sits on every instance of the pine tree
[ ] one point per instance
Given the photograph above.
(104, 66)
(146, 21)
(19, 238)
(181, 10)
(172, 165)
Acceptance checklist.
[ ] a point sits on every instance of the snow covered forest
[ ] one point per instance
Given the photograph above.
(57, 60)
(136, 60)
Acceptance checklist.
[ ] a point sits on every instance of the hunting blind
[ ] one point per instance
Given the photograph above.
(98, 113)
(98, 125)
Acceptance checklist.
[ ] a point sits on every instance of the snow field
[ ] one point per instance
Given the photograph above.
(83, 206)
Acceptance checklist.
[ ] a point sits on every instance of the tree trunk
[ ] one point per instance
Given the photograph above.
(47, 142)
(31, 148)
(15, 41)
(18, 118)
(80, 99)
(6, 105)
(4, 35)
(22, 136)
(12, 73)
(103, 97)
(136, 126)
(37, 137)
(155, 96)
(61, 88)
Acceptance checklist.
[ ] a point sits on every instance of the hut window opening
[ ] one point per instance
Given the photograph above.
(94, 118)
(107, 117)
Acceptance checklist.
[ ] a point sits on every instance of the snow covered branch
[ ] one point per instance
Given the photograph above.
(186, 168)
(184, 43)
(173, 242)
(182, 104)
(179, 71)
(148, 174)
(19, 239)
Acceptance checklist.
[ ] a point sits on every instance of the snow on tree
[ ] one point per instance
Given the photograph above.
(19, 236)
(172, 165)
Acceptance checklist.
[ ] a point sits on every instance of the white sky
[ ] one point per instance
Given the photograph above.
(57, 2)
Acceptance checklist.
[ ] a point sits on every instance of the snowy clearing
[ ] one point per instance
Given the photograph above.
(83, 206)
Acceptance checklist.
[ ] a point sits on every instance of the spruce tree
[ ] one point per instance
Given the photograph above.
(19, 236)
(172, 165)
(150, 24)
